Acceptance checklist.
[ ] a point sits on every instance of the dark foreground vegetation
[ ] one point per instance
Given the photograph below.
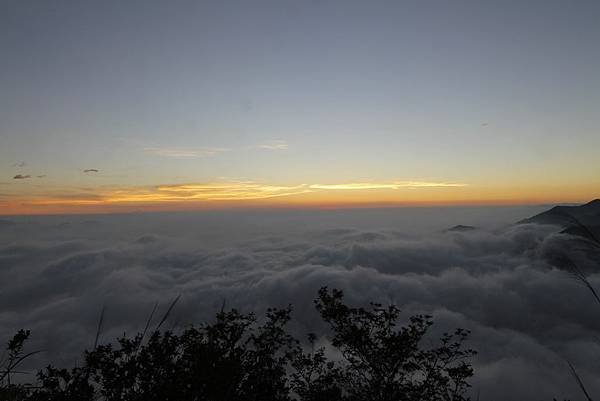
(237, 357)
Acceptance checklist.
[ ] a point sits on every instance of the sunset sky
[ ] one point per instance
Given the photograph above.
(182, 105)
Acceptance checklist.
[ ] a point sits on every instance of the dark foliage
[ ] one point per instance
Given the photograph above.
(238, 358)
(385, 362)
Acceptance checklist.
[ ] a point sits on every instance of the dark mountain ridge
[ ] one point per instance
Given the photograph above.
(582, 220)
(581, 248)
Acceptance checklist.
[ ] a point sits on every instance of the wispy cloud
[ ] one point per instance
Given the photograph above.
(24, 177)
(91, 170)
(198, 193)
(384, 185)
(235, 191)
(19, 164)
(274, 145)
(185, 153)
(219, 191)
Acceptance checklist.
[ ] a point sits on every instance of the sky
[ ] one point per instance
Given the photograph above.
(184, 105)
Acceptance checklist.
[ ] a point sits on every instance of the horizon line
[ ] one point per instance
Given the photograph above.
(156, 209)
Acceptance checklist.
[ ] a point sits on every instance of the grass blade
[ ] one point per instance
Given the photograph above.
(581, 277)
(168, 312)
(147, 325)
(99, 329)
(579, 382)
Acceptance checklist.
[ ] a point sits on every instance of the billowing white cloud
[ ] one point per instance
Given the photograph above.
(527, 316)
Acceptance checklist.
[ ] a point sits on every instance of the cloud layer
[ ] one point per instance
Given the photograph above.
(527, 317)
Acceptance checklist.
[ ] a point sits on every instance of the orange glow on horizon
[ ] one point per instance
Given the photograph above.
(253, 195)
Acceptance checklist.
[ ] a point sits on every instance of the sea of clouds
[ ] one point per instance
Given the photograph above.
(527, 317)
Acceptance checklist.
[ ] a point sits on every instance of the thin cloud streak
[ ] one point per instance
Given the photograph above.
(183, 153)
(242, 190)
(230, 191)
(233, 191)
(213, 193)
(274, 145)
(391, 185)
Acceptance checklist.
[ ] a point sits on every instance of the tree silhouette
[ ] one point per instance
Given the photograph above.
(236, 357)
(384, 362)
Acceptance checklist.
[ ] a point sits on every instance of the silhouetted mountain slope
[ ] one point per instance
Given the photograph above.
(583, 224)
(583, 220)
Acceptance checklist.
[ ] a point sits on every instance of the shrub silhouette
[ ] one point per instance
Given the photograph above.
(236, 357)
(9, 362)
(385, 362)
